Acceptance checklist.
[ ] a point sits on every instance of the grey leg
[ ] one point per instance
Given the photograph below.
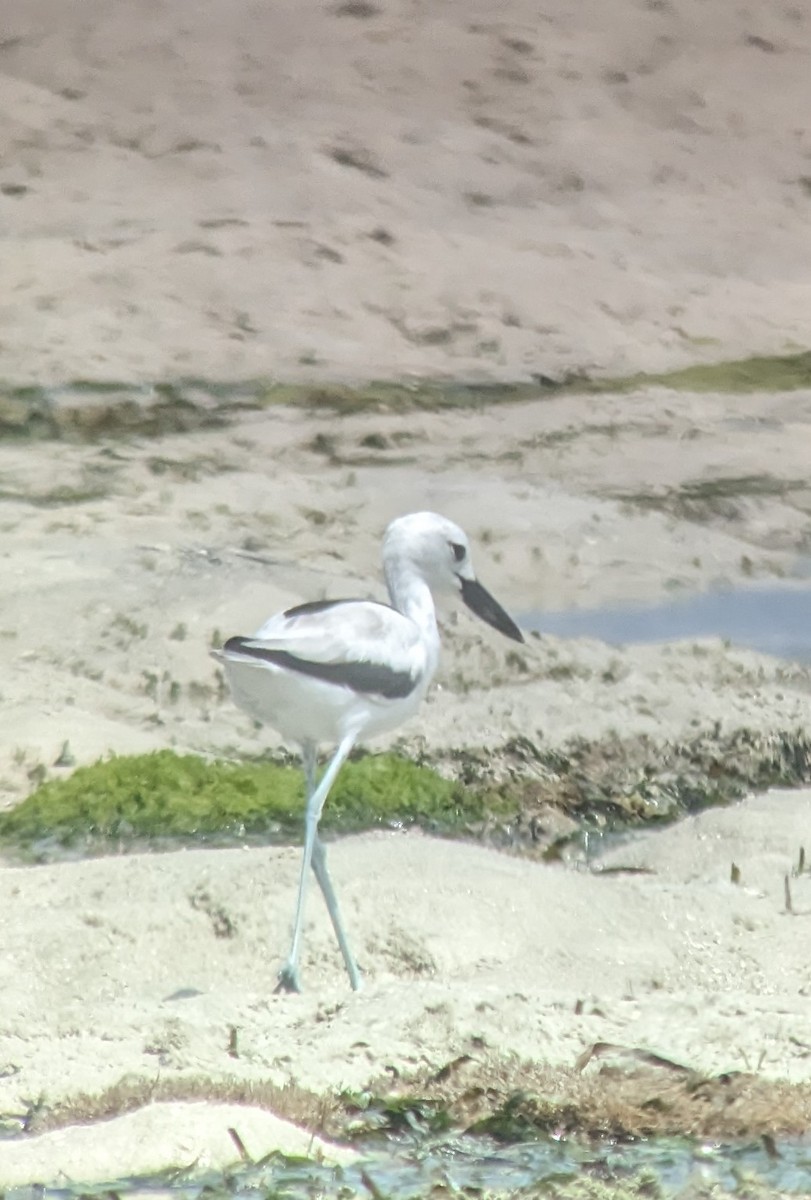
(322, 875)
(324, 881)
(289, 975)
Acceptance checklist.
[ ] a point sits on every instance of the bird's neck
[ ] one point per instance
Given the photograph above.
(411, 596)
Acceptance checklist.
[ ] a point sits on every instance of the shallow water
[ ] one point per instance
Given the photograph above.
(410, 1168)
(775, 620)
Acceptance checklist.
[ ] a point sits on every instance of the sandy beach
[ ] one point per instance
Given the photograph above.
(363, 191)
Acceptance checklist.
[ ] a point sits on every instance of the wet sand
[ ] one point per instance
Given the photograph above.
(112, 971)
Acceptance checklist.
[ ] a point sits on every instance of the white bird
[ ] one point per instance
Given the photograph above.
(339, 671)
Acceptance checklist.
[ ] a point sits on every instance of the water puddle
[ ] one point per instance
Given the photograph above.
(774, 620)
(417, 1167)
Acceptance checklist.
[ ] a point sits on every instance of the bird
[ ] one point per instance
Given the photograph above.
(338, 672)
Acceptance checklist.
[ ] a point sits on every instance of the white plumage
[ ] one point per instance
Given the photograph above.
(357, 636)
(339, 671)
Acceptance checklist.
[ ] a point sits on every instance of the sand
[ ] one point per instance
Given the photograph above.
(308, 192)
(618, 186)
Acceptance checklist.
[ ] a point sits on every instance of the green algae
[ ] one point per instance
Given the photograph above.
(704, 499)
(500, 795)
(760, 373)
(618, 784)
(167, 795)
(89, 410)
(649, 1130)
(433, 1173)
(425, 395)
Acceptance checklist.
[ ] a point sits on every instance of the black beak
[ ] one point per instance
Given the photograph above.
(479, 601)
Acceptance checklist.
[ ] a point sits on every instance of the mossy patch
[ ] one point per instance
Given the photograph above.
(631, 1130)
(760, 373)
(506, 796)
(706, 499)
(409, 1145)
(87, 410)
(167, 795)
(617, 784)
(515, 1101)
(61, 496)
(391, 396)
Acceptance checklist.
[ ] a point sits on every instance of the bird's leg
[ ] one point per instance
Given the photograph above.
(322, 875)
(288, 975)
(325, 883)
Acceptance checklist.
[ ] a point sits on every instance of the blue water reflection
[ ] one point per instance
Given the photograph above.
(775, 620)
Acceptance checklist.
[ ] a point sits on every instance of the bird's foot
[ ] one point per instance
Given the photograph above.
(288, 979)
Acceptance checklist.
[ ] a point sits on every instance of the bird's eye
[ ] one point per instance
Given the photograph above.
(458, 551)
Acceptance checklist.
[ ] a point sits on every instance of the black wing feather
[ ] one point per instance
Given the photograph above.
(367, 678)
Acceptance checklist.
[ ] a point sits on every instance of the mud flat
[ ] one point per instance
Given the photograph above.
(127, 977)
